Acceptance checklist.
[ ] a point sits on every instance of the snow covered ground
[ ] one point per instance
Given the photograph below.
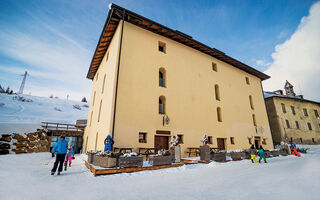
(27, 176)
(26, 116)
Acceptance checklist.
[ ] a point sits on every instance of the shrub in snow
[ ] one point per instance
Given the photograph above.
(174, 141)
(84, 99)
(204, 140)
(163, 152)
(85, 105)
(1, 105)
(76, 106)
(130, 154)
(51, 96)
(109, 154)
(57, 109)
(22, 99)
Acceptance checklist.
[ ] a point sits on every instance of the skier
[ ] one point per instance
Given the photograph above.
(253, 153)
(293, 149)
(61, 147)
(69, 156)
(108, 143)
(262, 154)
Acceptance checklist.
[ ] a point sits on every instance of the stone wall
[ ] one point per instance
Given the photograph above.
(24, 143)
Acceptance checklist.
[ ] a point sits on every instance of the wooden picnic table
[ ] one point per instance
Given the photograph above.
(147, 151)
(195, 150)
(122, 149)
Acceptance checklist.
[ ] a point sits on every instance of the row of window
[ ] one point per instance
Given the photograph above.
(301, 140)
(305, 111)
(298, 126)
(162, 48)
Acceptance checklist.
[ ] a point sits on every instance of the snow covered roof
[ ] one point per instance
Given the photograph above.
(298, 98)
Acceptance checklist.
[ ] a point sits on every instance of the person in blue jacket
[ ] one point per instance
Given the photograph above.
(61, 147)
(108, 143)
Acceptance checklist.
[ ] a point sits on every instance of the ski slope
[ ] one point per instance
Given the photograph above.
(27, 176)
(21, 116)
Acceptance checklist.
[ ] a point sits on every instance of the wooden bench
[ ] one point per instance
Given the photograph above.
(193, 150)
(147, 151)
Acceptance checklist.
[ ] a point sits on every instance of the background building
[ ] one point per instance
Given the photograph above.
(293, 118)
(151, 82)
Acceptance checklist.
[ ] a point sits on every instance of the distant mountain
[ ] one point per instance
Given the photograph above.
(24, 113)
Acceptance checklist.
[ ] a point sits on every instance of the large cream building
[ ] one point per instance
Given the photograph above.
(293, 118)
(151, 82)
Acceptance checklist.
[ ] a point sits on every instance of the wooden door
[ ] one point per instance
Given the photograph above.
(257, 142)
(220, 142)
(161, 142)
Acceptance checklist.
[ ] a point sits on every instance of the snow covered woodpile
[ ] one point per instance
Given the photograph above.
(24, 143)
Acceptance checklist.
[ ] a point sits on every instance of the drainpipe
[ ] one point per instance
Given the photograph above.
(116, 93)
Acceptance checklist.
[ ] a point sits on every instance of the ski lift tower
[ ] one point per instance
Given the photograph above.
(23, 82)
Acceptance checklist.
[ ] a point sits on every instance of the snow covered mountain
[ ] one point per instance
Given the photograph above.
(24, 113)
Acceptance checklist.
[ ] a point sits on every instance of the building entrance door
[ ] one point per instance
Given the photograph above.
(161, 142)
(221, 143)
(257, 142)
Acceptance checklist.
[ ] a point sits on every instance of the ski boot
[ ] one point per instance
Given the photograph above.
(58, 173)
(52, 173)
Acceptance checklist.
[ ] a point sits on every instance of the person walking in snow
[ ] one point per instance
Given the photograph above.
(294, 150)
(262, 154)
(69, 156)
(108, 143)
(61, 147)
(253, 153)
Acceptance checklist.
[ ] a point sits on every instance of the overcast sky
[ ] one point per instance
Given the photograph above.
(54, 40)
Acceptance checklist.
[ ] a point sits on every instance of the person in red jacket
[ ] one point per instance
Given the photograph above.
(294, 150)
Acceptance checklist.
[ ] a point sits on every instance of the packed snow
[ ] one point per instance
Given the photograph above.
(27, 176)
(24, 113)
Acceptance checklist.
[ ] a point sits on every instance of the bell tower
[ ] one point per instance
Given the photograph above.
(289, 89)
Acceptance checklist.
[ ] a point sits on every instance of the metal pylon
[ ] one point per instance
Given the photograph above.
(23, 82)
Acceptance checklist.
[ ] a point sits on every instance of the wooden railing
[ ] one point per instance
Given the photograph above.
(61, 126)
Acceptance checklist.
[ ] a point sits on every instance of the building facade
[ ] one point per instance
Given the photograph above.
(293, 118)
(150, 82)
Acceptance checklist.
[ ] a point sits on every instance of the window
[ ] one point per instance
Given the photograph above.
(219, 114)
(313, 140)
(142, 137)
(209, 139)
(301, 140)
(104, 80)
(107, 56)
(99, 110)
(251, 102)
(162, 77)
(162, 105)
(254, 119)
(232, 140)
(291, 140)
(305, 112)
(214, 67)
(283, 108)
(309, 126)
(293, 110)
(162, 47)
(97, 76)
(264, 141)
(94, 97)
(247, 81)
(217, 92)
(288, 124)
(250, 140)
(297, 125)
(316, 113)
(180, 139)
